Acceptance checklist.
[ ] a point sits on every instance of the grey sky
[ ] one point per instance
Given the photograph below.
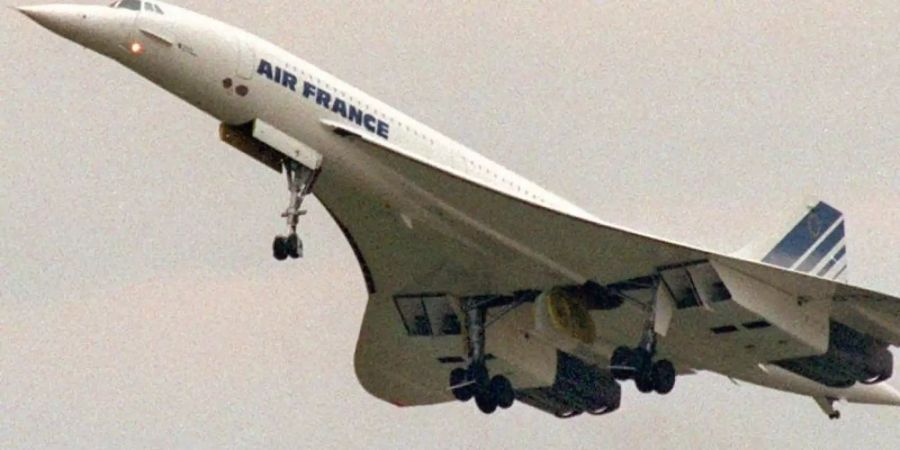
(139, 304)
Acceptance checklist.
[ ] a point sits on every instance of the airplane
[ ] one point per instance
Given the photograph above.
(483, 285)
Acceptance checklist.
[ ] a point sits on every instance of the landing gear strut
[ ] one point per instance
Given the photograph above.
(300, 180)
(827, 406)
(638, 364)
(475, 380)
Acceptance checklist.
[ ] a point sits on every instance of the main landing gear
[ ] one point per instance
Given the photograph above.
(474, 380)
(300, 180)
(648, 375)
(638, 364)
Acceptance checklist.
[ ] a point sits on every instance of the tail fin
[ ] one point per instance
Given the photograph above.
(814, 245)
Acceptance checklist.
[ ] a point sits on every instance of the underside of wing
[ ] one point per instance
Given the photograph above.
(429, 238)
(546, 247)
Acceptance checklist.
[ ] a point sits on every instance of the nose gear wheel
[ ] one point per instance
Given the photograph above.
(287, 246)
(300, 180)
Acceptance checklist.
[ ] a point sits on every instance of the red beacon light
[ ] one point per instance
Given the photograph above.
(136, 48)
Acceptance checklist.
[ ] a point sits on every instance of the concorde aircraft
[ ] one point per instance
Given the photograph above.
(481, 284)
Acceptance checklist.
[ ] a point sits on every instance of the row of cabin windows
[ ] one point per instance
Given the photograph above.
(391, 120)
(504, 180)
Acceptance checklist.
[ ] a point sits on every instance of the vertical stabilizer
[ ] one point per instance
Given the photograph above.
(815, 244)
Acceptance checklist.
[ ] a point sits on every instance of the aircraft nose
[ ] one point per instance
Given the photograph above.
(53, 17)
(31, 11)
(68, 21)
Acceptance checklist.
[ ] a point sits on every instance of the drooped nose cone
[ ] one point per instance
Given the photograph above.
(33, 12)
(64, 20)
(95, 27)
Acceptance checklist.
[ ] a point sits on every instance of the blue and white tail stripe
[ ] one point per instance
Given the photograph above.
(832, 262)
(815, 245)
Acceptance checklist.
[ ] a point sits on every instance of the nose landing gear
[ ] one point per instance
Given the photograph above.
(300, 180)
(287, 246)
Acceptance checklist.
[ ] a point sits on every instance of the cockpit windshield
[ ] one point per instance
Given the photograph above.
(127, 4)
(135, 5)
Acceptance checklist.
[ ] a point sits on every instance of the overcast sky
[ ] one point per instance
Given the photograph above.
(140, 305)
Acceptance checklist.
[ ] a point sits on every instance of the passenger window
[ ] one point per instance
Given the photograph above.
(130, 4)
(148, 7)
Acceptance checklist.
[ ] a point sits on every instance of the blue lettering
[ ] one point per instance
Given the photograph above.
(323, 98)
(370, 120)
(309, 89)
(289, 81)
(355, 115)
(340, 107)
(264, 69)
(382, 129)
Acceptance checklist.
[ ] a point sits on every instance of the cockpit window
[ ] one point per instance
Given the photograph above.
(151, 7)
(136, 5)
(128, 4)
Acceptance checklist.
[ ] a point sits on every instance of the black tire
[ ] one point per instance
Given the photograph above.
(644, 382)
(486, 401)
(622, 358)
(663, 375)
(502, 390)
(458, 376)
(293, 246)
(279, 248)
(479, 374)
(642, 361)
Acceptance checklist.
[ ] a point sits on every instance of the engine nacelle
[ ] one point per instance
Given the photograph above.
(879, 366)
(852, 357)
(564, 317)
(562, 313)
(578, 388)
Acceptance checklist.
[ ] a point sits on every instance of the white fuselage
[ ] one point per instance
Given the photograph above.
(238, 77)
(300, 110)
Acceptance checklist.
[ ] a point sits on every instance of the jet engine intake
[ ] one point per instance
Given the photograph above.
(563, 312)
